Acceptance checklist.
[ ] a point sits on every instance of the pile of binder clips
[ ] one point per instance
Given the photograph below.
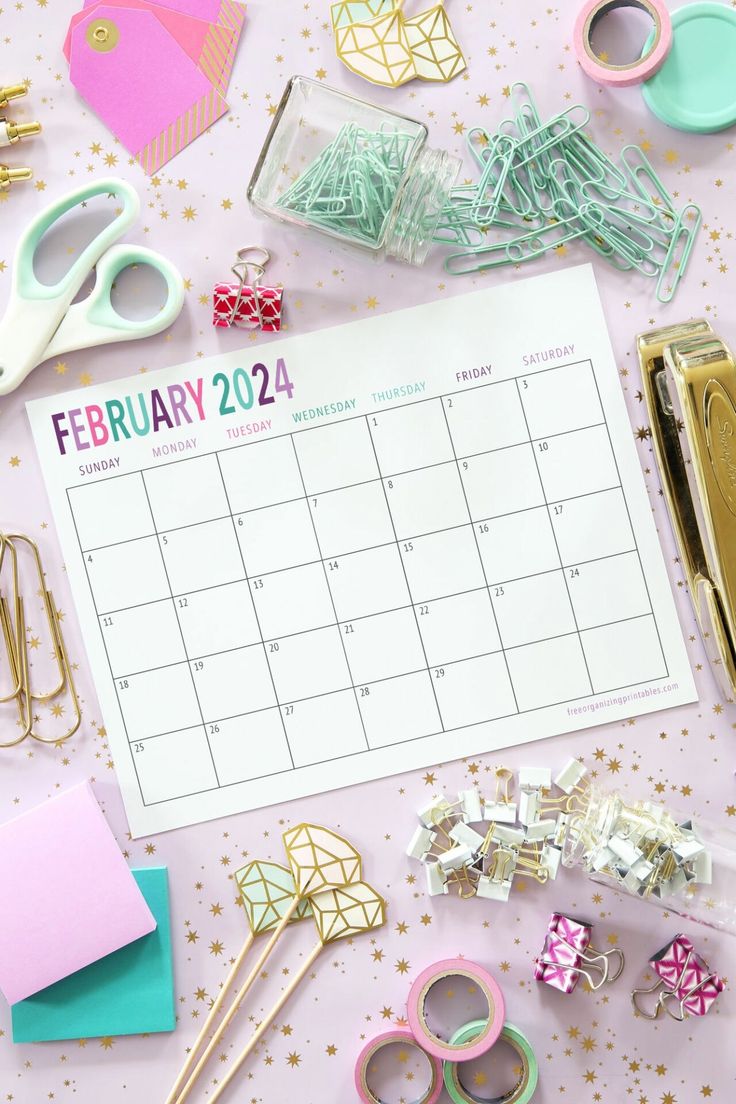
(18, 555)
(484, 864)
(549, 184)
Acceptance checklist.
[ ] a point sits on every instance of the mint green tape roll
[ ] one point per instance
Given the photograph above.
(525, 1087)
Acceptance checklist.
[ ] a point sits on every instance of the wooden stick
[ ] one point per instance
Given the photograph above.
(192, 1056)
(267, 1021)
(233, 1009)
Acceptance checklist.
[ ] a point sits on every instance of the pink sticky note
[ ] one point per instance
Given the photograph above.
(209, 45)
(145, 87)
(67, 898)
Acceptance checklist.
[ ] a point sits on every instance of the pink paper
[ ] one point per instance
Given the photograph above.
(146, 90)
(226, 13)
(209, 45)
(68, 897)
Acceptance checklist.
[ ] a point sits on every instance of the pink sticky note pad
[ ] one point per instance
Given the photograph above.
(146, 88)
(68, 897)
(209, 45)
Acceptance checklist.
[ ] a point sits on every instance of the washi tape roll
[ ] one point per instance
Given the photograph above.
(416, 1010)
(525, 1087)
(404, 1037)
(695, 90)
(634, 72)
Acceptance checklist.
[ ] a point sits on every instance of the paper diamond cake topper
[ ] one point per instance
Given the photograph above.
(356, 11)
(267, 889)
(436, 51)
(375, 40)
(377, 49)
(349, 910)
(320, 859)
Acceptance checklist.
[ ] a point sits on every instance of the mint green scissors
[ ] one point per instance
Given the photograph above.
(42, 322)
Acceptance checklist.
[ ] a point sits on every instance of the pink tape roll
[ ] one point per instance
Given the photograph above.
(399, 1035)
(621, 76)
(421, 1031)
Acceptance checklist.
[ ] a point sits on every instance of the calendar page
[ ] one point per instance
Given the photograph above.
(339, 556)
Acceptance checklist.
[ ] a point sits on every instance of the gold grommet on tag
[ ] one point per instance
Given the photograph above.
(103, 35)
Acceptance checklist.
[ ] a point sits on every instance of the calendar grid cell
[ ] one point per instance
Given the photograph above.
(255, 614)
(559, 556)
(436, 470)
(176, 613)
(406, 578)
(367, 617)
(477, 546)
(332, 599)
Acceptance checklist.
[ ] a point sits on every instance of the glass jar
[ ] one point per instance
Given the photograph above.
(354, 172)
(684, 865)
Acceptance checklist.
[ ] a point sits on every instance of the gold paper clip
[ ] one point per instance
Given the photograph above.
(13, 625)
(689, 378)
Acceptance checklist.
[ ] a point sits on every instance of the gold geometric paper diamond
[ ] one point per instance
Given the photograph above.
(377, 49)
(320, 859)
(350, 910)
(267, 889)
(357, 11)
(436, 51)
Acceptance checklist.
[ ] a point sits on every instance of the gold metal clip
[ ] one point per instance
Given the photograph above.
(12, 92)
(11, 176)
(14, 132)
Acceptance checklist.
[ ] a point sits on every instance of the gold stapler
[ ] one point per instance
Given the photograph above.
(689, 379)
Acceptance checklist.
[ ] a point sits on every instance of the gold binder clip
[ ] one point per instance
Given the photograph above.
(12, 176)
(689, 378)
(15, 132)
(12, 92)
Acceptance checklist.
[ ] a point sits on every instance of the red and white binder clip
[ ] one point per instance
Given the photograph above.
(249, 304)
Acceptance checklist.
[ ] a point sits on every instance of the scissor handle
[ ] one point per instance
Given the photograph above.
(24, 278)
(94, 321)
(35, 310)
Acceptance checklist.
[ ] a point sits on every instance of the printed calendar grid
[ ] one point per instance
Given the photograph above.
(355, 687)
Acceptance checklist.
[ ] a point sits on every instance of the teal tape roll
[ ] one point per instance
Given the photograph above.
(525, 1087)
(695, 90)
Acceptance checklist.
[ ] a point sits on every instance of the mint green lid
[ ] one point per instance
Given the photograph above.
(696, 87)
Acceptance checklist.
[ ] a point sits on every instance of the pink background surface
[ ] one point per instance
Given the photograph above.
(590, 1046)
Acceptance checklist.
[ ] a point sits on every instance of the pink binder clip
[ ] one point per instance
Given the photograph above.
(567, 955)
(684, 978)
(249, 304)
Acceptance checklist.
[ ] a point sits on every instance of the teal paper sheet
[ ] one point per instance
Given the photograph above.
(128, 992)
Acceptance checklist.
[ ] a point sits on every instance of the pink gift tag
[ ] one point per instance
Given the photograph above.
(208, 44)
(225, 13)
(141, 83)
(229, 310)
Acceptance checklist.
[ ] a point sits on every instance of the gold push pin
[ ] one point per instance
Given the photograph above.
(12, 92)
(14, 132)
(10, 176)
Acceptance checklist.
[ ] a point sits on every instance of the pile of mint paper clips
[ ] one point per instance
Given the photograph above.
(551, 184)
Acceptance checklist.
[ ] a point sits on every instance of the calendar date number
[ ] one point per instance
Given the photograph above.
(243, 389)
